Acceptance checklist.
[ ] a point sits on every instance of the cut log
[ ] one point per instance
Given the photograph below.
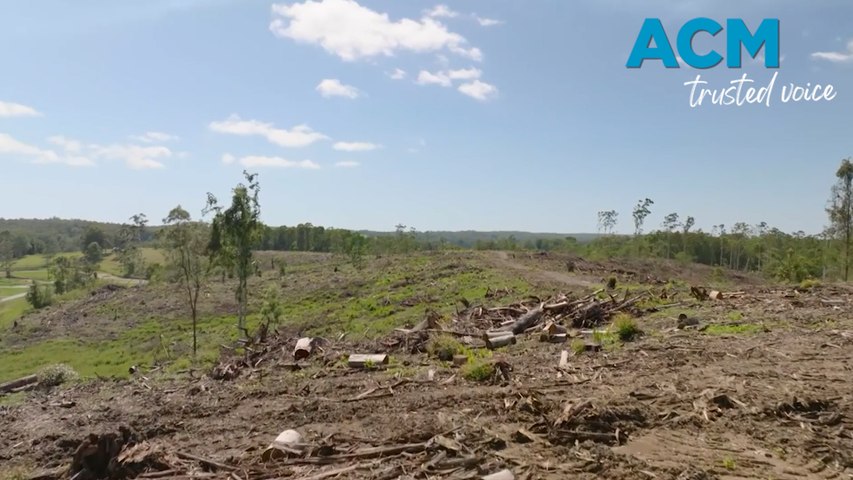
(303, 349)
(715, 295)
(498, 341)
(21, 382)
(360, 360)
(459, 360)
(564, 359)
(526, 321)
(288, 441)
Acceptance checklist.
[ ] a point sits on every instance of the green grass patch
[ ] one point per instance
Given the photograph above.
(578, 346)
(733, 329)
(11, 311)
(809, 284)
(625, 327)
(445, 347)
(41, 275)
(480, 367)
(734, 316)
(729, 463)
(10, 291)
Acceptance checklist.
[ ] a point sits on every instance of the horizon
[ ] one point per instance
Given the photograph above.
(440, 125)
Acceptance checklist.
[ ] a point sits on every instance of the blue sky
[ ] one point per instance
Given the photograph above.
(474, 114)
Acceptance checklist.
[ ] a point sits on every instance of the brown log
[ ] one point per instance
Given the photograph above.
(498, 341)
(526, 321)
(21, 382)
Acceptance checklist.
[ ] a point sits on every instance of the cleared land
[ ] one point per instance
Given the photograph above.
(760, 388)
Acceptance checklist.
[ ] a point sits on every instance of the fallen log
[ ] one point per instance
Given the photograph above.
(526, 321)
(303, 349)
(21, 382)
(359, 360)
(498, 339)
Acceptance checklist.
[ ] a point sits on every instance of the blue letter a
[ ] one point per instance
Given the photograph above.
(652, 30)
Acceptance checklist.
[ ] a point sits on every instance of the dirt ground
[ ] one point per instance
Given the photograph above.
(761, 390)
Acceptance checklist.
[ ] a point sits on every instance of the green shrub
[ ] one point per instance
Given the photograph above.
(479, 370)
(626, 327)
(809, 284)
(39, 297)
(578, 346)
(444, 347)
(57, 374)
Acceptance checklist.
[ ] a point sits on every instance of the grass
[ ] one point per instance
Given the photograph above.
(150, 256)
(729, 463)
(154, 328)
(11, 290)
(41, 275)
(626, 327)
(733, 329)
(480, 367)
(12, 310)
(735, 316)
(445, 347)
(809, 284)
(578, 346)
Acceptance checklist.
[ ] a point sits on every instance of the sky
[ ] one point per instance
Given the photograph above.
(464, 115)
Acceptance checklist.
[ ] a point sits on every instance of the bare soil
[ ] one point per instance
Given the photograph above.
(766, 394)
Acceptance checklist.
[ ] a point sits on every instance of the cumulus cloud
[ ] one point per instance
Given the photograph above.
(277, 162)
(397, 74)
(332, 87)
(355, 146)
(228, 159)
(9, 109)
(347, 164)
(298, 136)
(154, 137)
(479, 90)
(439, 11)
(353, 32)
(845, 56)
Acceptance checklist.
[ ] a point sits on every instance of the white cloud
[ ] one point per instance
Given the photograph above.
(355, 146)
(332, 87)
(441, 11)
(464, 74)
(488, 22)
(474, 88)
(134, 156)
(397, 74)
(67, 144)
(261, 161)
(836, 57)
(154, 137)
(428, 78)
(9, 109)
(479, 90)
(228, 159)
(12, 146)
(352, 32)
(347, 164)
(298, 136)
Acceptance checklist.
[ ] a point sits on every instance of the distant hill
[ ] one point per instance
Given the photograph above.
(58, 235)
